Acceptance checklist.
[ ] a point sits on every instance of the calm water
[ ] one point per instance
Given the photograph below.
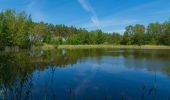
(96, 74)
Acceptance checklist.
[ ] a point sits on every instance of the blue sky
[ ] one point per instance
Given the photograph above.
(108, 15)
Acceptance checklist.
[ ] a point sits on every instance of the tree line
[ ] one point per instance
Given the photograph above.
(18, 30)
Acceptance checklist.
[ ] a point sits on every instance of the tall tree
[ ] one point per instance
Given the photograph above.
(127, 35)
(138, 34)
(99, 37)
(154, 30)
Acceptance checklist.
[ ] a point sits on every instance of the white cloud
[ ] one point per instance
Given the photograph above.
(105, 22)
(95, 21)
(85, 4)
(111, 22)
(94, 18)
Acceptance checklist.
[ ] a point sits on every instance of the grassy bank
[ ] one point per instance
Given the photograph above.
(113, 47)
(50, 47)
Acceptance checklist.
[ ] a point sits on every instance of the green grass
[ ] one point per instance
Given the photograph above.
(113, 47)
(47, 47)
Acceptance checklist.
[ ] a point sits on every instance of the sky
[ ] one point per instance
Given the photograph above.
(108, 15)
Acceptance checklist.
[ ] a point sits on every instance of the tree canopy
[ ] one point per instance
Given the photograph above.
(18, 30)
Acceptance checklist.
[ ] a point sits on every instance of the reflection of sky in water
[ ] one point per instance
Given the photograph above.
(92, 74)
(109, 76)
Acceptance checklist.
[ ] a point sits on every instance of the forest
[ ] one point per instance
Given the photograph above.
(17, 29)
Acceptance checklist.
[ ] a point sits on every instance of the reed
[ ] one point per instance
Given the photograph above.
(113, 47)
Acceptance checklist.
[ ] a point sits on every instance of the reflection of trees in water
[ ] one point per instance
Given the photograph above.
(16, 69)
(155, 61)
(15, 77)
(151, 60)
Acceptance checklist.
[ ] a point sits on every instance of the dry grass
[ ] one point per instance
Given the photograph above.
(48, 46)
(113, 47)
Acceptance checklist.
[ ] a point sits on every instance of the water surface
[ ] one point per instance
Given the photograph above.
(89, 74)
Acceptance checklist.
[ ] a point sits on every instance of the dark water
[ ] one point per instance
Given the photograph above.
(96, 74)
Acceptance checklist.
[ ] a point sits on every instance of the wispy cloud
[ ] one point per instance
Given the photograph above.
(111, 22)
(94, 18)
(126, 17)
(104, 22)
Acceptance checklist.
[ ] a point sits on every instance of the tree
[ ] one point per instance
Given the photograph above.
(99, 37)
(15, 29)
(48, 37)
(127, 35)
(164, 38)
(18, 30)
(126, 39)
(154, 30)
(138, 34)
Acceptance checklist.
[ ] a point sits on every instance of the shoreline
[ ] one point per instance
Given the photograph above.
(51, 47)
(155, 47)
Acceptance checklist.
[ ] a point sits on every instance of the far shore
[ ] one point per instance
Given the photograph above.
(51, 47)
(106, 47)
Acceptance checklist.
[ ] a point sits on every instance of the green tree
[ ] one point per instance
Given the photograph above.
(48, 37)
(138, 34)
(126, 40)
(99, 37)
(154, 30)
(164, 38)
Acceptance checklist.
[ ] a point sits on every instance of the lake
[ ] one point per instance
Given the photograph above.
(87, 74)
